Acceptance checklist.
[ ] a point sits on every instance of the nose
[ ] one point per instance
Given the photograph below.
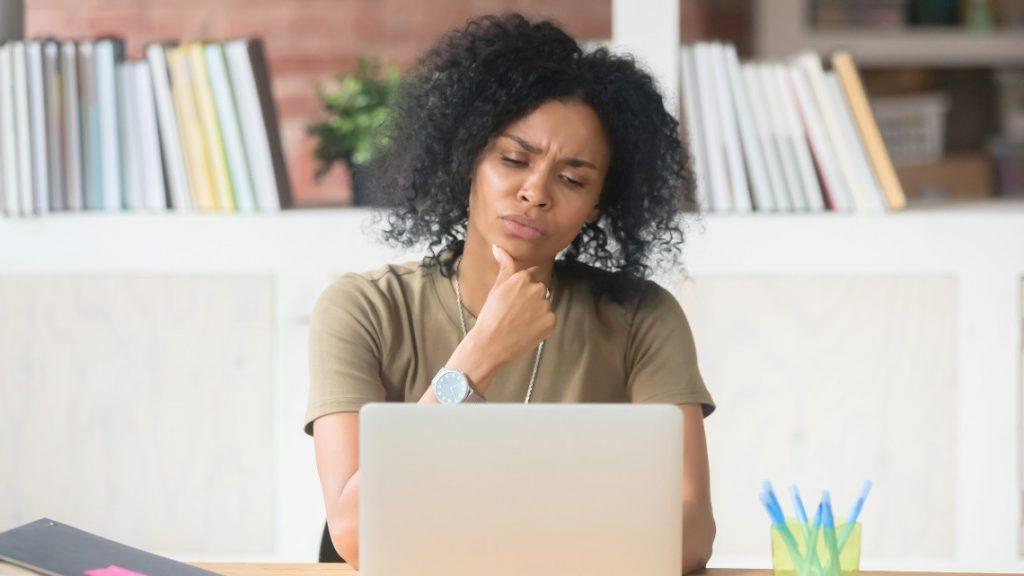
(534, 190)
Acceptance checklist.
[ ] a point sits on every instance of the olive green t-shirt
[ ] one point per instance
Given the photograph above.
(382, 336)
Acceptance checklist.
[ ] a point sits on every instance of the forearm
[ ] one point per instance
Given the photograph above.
(698, 535)
(343, 522)
(343, 513)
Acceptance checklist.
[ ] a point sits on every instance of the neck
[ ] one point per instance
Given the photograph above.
(477, 270)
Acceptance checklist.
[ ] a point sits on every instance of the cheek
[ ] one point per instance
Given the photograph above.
(493, 179)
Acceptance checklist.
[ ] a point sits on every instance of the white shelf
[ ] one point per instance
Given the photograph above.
(951, 237)
(782, 30)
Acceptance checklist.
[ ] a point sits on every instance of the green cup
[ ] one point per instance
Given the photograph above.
(849, 556)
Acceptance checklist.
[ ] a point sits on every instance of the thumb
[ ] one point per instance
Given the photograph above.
(506, 265)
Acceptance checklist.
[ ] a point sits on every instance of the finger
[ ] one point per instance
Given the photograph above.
(506, 264)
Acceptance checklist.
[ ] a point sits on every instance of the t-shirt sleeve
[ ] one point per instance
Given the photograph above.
(661, 353)
(344, 349)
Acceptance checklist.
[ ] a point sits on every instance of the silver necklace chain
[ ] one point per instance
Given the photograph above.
(462, 320)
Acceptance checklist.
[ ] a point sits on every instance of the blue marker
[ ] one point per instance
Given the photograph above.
(779, 522)
(830, 533)
(801, 514)
(812, 547)
(852, 520)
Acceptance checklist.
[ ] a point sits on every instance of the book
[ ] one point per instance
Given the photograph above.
(74, 191)
(8, 137)
(872, 192)
(224, 198)
(52, 547)
(251, 79)
(170, 135)
(54, 123)
(811, 198)
(730, 133)
(92, 174)
(718, 179)
(768, 134)
(37, 126)
(855, 190)
(108, 53)
(778, 100)
(227, 115)
(23, 129)
(880, 161)
(832, 184)
(152, 178)
(693, 130)
(194, 144)
(760, 183)
(128, 124)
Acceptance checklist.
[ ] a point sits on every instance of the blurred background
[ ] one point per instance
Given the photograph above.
(153, 362)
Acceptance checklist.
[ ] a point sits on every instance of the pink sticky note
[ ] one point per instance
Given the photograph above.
(112, 570)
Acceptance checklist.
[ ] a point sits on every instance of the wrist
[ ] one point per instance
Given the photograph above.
(472, 359)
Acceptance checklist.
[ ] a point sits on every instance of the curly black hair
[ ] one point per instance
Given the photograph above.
(495, 70)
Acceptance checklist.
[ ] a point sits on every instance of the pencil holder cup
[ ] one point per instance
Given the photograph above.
(818, 563)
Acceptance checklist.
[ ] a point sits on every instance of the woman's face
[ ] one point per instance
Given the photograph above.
(545, 170)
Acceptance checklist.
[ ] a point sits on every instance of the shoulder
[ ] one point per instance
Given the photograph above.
(367, 294)
(375, 283)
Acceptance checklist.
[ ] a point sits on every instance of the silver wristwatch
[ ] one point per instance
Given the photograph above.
(453, 387)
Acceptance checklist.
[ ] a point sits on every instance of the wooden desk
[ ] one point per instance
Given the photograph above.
(233, 569)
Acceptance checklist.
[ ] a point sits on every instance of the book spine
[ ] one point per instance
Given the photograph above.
(110, 136)
(763, 125)
(155, 193)
(261, 75)
(74, 197)
(730, 132)
(37, 126)
(763, 197)
(881, 163)
(721, 197)
(54, 123)
(210, 125)
(254, 132)
(224, 100)
(693, 130)
(170, 134)
(8, 135)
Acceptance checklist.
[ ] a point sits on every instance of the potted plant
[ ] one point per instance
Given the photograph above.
(356, 109)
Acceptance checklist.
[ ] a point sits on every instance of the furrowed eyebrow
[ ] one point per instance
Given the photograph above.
(534, 149)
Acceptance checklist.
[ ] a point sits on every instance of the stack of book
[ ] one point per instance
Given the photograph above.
(783, 137)
(190, 127)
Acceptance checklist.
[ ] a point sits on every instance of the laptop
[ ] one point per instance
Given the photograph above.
(512, 489)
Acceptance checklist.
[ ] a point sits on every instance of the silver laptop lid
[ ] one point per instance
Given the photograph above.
(512, 489)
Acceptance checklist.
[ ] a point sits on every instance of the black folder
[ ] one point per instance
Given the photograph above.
(49, 547)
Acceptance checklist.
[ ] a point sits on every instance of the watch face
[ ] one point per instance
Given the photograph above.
(451, 387)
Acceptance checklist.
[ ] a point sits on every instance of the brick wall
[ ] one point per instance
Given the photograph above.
(311, 41)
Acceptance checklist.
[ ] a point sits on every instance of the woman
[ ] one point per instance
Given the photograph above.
(517, 157)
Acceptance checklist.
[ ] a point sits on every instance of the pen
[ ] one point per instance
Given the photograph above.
(801, 514)
(779, 523)
(812, 547)
(851, 521)
(830, 533)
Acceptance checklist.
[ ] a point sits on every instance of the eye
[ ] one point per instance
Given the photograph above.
(513, 161)
(572, 182)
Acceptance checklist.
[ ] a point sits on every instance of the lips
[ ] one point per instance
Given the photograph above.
(527, 222)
